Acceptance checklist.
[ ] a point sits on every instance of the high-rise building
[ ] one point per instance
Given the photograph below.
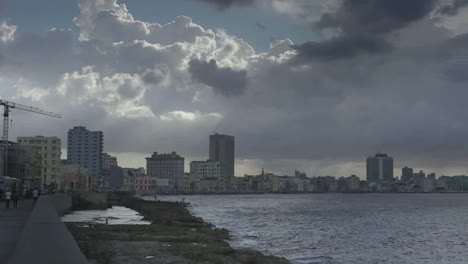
(222, 150)
(50, 150)
(167, 166)
(406, 174)
(379, 169)
(84, 148)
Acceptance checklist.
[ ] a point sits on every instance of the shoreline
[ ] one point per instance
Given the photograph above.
(289, 193)
(175, 235)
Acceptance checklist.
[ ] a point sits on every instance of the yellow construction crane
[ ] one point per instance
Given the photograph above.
(6, 121)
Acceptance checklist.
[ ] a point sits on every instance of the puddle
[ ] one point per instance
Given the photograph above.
(117, 215)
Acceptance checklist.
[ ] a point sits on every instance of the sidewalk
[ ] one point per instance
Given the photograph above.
(12, 222)
(45, 239)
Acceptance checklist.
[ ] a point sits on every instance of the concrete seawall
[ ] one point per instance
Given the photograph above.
(45, 239)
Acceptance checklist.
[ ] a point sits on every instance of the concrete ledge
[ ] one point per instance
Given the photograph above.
(45, 239)
(61, 202)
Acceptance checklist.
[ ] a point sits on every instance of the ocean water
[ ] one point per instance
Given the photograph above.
(343, 228)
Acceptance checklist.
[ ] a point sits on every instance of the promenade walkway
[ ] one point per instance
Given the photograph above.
(12, 222)
(36, 234)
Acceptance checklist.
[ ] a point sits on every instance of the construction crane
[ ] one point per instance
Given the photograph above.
(6, 121)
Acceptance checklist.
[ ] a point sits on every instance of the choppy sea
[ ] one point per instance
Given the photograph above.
(343, 228)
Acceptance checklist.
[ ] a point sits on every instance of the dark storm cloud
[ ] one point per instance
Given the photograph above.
(363, 26)
(375, 16)
(225, 4)
(340, 47)
(225, 81)
(453, 8)
(409, 102)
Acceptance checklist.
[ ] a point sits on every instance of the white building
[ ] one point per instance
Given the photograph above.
(50, 150)
(353, 183)
(209, 169)
(167, 166)
(84, 148)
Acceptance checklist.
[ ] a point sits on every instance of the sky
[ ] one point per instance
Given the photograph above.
(315, 86)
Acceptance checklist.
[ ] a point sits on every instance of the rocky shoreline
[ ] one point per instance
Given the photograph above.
(174, 236)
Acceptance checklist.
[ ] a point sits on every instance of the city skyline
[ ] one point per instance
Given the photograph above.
(396, 172)
(137, 160)
(141, 163)
(331, 87)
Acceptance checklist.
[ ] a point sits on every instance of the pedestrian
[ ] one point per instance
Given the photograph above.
(35, 194)
(15, 198)
(23, 196)
(7, 198)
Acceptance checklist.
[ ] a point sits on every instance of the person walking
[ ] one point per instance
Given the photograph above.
(7, 198)
(35, 194)
(23, 195)
(15, 198)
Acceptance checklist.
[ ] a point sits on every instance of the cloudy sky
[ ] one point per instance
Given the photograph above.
(309, 85)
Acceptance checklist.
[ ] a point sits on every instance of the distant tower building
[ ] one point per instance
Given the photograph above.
(167, 166)
(419, 178)
(379, 169)
(406, 174)
(50, 149)
(108, 161)
(84, 148)
(222, 150)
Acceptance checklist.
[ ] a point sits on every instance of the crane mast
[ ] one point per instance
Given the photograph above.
(7, 105)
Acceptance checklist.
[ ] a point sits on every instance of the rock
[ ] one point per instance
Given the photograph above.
(174, 236)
